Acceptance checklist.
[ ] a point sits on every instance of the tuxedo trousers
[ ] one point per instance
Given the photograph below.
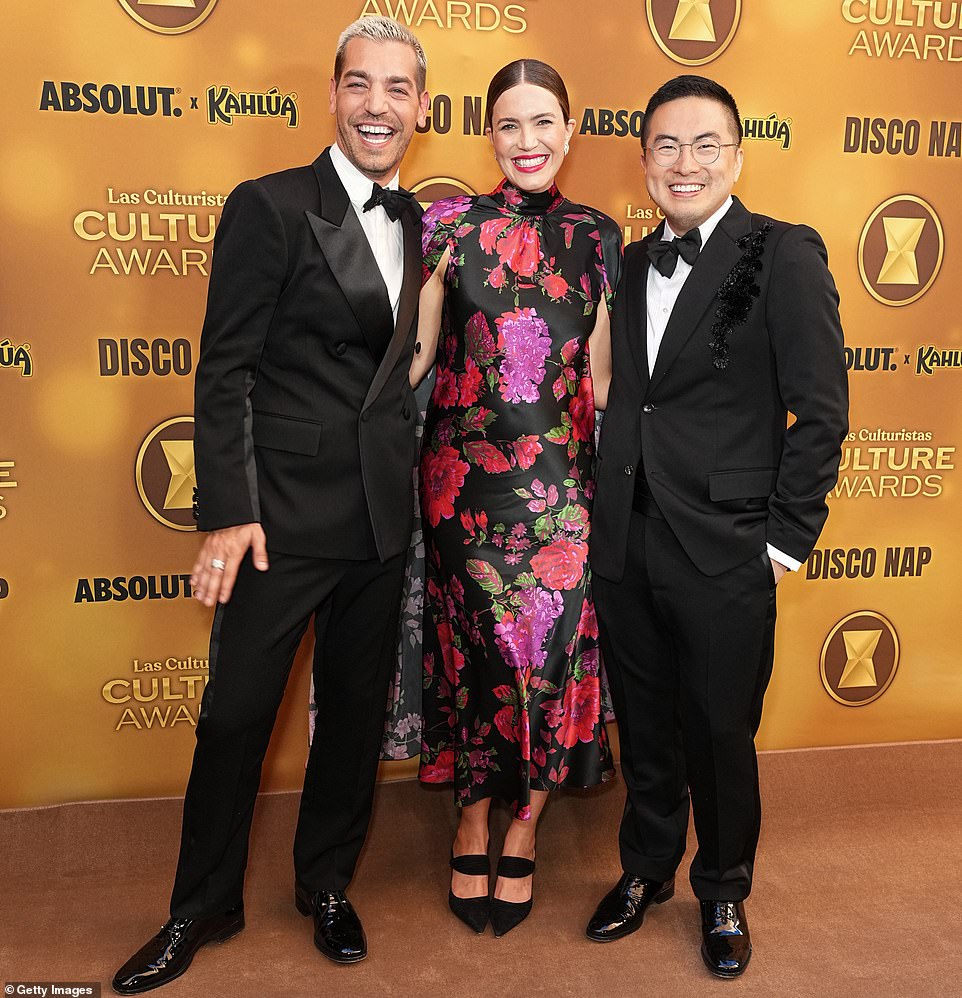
(355, 606)
(688, 658)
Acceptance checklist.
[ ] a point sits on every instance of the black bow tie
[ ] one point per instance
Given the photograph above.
(393, 202)
(664, 254)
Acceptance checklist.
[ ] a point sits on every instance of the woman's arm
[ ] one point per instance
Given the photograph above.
(599, 352)
(430, 306)
(599, 342)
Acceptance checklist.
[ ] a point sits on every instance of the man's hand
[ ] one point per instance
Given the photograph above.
(215, 570)
(779, 569)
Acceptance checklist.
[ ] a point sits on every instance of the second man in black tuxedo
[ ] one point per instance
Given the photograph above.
(305, 446)
(725, 322)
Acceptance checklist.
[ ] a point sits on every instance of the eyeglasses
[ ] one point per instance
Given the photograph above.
(704, 151)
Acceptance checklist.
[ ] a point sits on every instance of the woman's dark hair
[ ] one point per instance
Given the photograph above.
(533, 71)
(692, 86)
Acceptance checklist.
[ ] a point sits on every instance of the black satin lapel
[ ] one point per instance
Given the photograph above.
(334, 199)
(348, 254)
(714, 262)
(411, 280)
(408, 303)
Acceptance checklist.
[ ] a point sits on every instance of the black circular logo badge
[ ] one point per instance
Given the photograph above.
(859, 658)
(169, 17)
(165, 473)
(693, 32)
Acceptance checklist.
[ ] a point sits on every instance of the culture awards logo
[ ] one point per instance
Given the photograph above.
(169, 17)
(165, 473)
(435, 188)
(693, 32)
(859, 658)
(900, 250)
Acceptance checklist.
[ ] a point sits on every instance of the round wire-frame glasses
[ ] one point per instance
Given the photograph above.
(703, 151)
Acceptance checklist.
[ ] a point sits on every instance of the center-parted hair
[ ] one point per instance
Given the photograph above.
(533, 71)
(381, 29)
(692, 86)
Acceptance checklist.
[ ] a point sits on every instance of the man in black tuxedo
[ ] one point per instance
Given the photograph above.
(305, 446)
(725, 322)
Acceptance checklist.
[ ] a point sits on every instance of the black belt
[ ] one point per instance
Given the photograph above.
(644, 503)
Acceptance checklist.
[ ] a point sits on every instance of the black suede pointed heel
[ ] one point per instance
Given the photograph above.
(474, 912)
(506, 915)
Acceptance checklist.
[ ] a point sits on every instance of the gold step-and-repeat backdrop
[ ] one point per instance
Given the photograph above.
(129, 121)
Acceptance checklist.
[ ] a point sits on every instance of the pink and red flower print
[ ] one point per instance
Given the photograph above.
(480, 342)
(496, 277)
(555, 285)
(511, 691)
(526, 450)
(588, 624)
(486, 455)
(490, 231)
(469, 383)
(582, 704)
(581, 408)
(560, 564)
(439, 771)
(445, 388)
(520, 249)
(452, 655)
(525, 343)
(505, 722)
(442, 475)
(447, 210)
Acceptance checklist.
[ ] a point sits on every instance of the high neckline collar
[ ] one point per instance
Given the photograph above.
(512, 198)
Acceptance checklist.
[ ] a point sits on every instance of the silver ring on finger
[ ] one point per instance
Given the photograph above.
(217, 564)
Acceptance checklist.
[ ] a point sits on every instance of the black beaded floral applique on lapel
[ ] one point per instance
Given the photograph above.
(737, 293)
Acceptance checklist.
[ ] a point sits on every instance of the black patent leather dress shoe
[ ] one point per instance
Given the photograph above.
(622, 909)
(170, 952)
(338, 932)
(726, 944)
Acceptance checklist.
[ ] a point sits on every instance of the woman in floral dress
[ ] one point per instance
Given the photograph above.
(514, 310)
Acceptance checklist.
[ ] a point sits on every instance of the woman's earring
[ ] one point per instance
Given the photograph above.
(566, 148)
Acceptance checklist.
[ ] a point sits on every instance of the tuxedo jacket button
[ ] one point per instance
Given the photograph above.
(629, 470)
(647, 407)
(365, 416)
(340, 349)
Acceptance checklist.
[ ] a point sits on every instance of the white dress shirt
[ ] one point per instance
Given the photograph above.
(385, 237)
(662, 294)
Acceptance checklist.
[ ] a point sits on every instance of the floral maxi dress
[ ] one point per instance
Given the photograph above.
(511, 688)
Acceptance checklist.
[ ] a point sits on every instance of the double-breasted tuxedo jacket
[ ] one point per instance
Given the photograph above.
(305, 423)
(305, 418)
(718, 459)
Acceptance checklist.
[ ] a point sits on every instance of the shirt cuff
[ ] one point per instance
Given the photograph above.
(792, 564)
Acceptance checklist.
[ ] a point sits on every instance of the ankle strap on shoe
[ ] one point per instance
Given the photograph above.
(515, 867)
(475, 865)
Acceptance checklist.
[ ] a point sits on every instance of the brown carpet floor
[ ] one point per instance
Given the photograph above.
(857, 893)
